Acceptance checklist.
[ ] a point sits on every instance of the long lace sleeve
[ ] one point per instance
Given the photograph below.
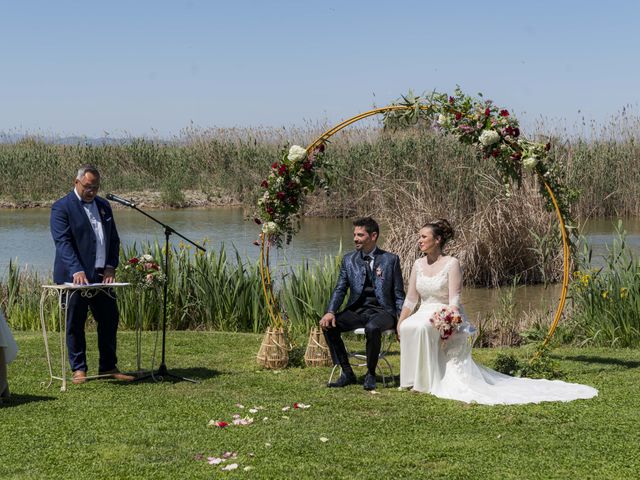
(455, 283)
(411, 299)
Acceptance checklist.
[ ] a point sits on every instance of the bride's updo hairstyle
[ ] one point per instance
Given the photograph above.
(441, 228)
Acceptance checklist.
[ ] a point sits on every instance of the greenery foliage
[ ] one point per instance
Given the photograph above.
(606, 298)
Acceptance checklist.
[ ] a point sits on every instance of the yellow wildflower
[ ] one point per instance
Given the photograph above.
(605, 294)
(624, 293)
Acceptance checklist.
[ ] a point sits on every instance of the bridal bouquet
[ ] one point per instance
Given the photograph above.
(447, 321)
(143, 272)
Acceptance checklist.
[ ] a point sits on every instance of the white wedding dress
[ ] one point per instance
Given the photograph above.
(6, 340)
(445, 368)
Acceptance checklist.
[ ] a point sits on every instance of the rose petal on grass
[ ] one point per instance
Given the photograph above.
(284, 409)
(267, 444)
(231, 466)
(285, 417)
(265, 419)
(253, 410)
(324, 439)
(247, 468)
(215, 460)
(217, 423)
(240, 406)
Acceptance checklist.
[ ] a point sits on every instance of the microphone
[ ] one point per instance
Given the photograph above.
(115, 198)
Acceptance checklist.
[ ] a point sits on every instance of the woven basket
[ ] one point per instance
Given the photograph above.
(273, 352)
(317, 353)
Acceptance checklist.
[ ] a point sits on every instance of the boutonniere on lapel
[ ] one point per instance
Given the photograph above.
(102, 212)
(379, 273)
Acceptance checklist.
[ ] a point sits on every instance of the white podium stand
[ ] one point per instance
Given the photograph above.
(64, 294)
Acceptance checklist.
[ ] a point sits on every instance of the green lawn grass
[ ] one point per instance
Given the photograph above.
(106, 429)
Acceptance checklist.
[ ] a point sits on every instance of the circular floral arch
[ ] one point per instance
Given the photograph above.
(475, 121)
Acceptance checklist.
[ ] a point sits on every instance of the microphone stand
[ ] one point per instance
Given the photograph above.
(162, 369)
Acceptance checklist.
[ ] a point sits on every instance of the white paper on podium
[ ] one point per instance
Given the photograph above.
(94, 285)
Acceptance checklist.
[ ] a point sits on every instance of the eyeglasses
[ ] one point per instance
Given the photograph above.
(91, 188)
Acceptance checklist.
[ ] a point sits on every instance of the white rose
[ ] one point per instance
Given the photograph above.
(489, 137)
(146, 258)
(297, 153)
(530, 163)
(269, 227)
(443, 120)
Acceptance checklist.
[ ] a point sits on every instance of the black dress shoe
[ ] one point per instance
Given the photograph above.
(369, 382)
(343, 380)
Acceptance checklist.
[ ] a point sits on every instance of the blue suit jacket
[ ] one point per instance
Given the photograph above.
(387, 280)
(75, 240)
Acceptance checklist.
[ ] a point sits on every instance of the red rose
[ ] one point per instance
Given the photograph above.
(274, 165)
(487, 112)
(281, 195)
(270, 210)
(282, 169)
(295, 405)
(458, 115)
(451, 100)
(258, 221)
(134, 260)
(504, 113)
(495, 153)
(293, 200)
(264, 184)
(516, 132)
(307, 165)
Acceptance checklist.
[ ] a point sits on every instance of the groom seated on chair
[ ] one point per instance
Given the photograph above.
(376, 294)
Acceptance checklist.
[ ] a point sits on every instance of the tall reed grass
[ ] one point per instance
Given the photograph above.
(606, 299)
(603, 167)
(212, 291)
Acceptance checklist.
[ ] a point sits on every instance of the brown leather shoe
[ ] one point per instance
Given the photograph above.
(118, 375)
(79, 376)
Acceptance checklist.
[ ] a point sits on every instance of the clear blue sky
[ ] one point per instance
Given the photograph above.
(139, 67)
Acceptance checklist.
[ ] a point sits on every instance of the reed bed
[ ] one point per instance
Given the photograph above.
(602, 167)
(606, 299)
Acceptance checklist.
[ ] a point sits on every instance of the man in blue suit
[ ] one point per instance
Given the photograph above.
(87, 250)
(376, 294)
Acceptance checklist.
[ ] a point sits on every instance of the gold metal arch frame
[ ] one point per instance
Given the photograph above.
(275, 313)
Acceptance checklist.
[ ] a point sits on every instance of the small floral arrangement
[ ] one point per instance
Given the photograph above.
(284, 189)
(446, 320)
(143, 272)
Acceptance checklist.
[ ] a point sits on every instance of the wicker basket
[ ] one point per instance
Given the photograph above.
(317, 353)
(274, 352)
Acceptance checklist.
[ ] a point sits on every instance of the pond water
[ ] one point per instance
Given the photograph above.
(25, 239)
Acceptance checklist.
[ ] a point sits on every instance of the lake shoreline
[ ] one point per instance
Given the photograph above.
(143, 199)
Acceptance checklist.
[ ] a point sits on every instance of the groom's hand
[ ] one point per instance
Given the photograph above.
(328, 321)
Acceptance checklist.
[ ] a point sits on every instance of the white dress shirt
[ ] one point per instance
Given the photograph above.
(91, 209)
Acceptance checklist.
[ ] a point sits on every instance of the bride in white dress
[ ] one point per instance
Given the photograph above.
(8, 352)
(445, 368)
